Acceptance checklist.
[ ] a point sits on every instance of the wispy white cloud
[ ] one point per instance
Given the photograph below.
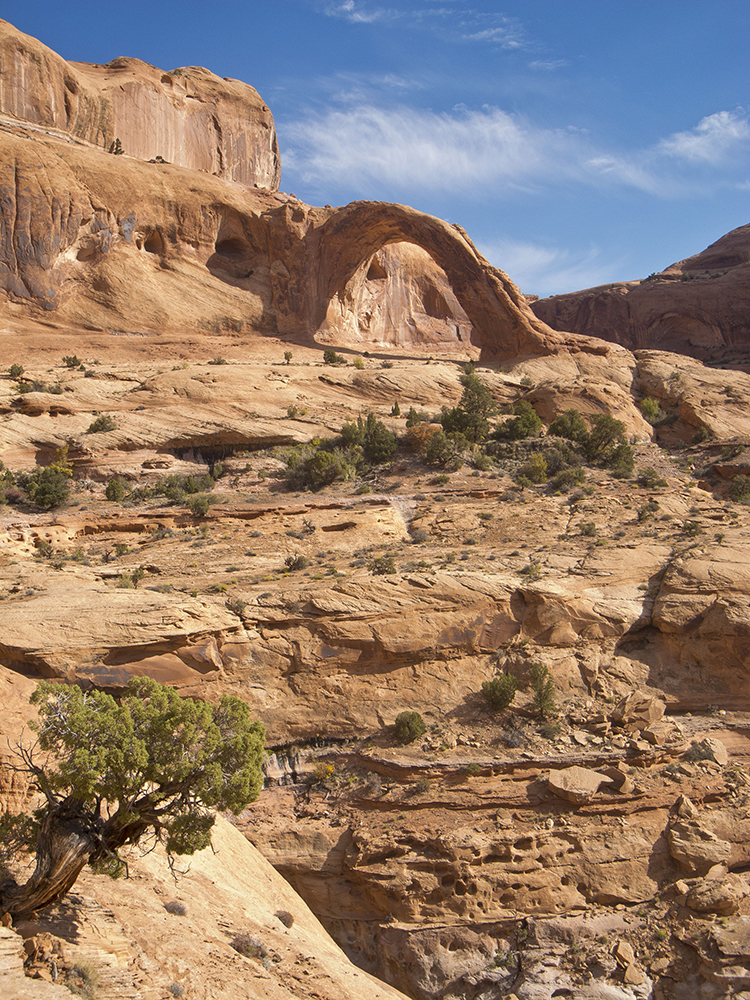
(713, 139)
(508, 35)
(359, 13)
(367, 146)
(369, 150)
(548, 270)
(549, 65)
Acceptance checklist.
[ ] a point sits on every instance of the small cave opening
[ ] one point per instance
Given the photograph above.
(154, 243)
(376, 271)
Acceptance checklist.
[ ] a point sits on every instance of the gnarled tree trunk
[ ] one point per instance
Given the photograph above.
(64, 846)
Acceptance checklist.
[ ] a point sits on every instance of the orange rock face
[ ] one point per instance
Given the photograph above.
(695, 306)
(189, 117)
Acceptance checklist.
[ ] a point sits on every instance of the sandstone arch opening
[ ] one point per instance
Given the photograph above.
(399, 297)
(498, 318)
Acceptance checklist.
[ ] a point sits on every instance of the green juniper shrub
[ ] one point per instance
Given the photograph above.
(71, 361)
(383, 566)
(650, 409)
(330, 357)
(15, 371)
(587, 528)
(409, 726)
(415, 417)
(524, 424)
(650, 479)
(622, 461)
(115, 489)
(533, 471)
(500, 691)
(543, 702)
(164, 764)
(606, 433)
(198, 504)
(739, 489)
(46, 488)
(470, 416)
(567, 479)
(288, 357)
(102, 423)
(570, 425)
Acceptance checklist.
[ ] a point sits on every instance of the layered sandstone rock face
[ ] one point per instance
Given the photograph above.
(189, 117)
(398, 297)
(697, 306)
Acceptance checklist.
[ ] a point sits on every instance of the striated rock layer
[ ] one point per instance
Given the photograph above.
(697, 306)
(189, 117)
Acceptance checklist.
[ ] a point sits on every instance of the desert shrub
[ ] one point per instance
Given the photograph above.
(650, 409)
(543, 702)
(524, 424)
(482, 462)
(409, 726)
(701, 435)
(47, 488)
(296, 562)
(647, 511)
(383, 566)
(198, 504)
(622, 461)
(739, 489)
(285, 917)
(587, 528)
(470, 416)
(115, 490)
(567, 479)
(396, 410)
(288, 357)
(500, 691)
(570, 425)
(418, 435)
(102, 423)
(218, 361)
(378, 444)
(650, 479)
(692, 528)
(83, 979)
(358, 363)
(606, 433)
(72, 361)
(535, 470)
(330, 357)
(250, 946)
(415, 417)
(15, 371)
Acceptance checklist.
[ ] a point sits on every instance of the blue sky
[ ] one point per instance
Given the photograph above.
(577, 141)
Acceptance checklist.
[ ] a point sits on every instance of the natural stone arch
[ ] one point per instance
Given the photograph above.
(504, 325)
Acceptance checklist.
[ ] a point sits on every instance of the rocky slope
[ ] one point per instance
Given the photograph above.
(698, 306)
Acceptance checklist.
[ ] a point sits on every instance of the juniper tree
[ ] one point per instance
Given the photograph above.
(112, 772)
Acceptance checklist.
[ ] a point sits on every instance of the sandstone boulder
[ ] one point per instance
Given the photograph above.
(576, 784)
(638, 711)
(717, 895)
